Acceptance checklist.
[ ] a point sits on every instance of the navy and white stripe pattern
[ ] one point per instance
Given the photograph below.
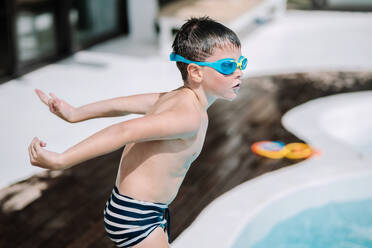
(129, 221)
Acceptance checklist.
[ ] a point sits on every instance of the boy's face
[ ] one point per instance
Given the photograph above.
(218, 84)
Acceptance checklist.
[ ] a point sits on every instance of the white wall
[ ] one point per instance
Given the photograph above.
(142, 15)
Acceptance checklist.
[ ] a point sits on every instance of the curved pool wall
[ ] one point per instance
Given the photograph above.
(279, 194)
(341, 122)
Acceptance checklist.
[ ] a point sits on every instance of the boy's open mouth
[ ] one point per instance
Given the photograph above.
(238, 85)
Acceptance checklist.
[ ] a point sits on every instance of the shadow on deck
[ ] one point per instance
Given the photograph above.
(69, 211)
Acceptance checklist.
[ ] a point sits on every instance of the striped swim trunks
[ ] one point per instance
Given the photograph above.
(129, 221)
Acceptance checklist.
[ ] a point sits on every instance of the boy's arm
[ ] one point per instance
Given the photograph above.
(177, 123)
(119, 106)
(137, 104)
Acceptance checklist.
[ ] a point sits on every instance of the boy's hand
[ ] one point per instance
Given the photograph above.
(43, 158)
(57, 106)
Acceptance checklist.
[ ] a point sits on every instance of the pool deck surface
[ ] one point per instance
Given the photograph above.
(300, 41)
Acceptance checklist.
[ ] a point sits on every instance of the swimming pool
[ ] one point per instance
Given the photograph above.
(338, 126)
(341, 127)
(338, 225)
(337, 214)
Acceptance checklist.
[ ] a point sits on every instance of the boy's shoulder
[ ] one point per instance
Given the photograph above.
(174, 116)
(181, 99)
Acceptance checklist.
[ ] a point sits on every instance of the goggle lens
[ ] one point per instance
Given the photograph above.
(228, 67)
(243, 63)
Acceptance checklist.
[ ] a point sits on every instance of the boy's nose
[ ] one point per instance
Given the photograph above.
(238, 73)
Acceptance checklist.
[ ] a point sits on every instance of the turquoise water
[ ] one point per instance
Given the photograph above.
(335, 225)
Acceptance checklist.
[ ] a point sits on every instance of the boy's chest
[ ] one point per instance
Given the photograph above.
(188, 149)
(195, 143)
(178, 150)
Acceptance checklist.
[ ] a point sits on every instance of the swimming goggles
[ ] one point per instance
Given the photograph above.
(224, 66)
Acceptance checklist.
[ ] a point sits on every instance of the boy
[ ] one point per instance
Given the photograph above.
(161, 145)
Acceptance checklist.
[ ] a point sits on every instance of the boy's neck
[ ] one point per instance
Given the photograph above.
(205, 101)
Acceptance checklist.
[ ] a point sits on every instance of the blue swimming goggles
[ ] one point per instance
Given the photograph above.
(224, 66)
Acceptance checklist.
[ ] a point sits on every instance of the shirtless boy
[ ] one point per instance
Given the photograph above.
(161, 145)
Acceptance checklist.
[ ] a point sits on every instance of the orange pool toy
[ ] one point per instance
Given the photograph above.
(269, 149)
(297, 151)
(277, 150)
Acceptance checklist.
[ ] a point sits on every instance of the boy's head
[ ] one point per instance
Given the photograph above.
(198, 38)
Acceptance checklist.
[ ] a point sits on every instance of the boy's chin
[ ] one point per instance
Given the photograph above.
(233, 96)
(230, 98)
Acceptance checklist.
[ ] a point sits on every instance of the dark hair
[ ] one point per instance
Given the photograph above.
(197, 39)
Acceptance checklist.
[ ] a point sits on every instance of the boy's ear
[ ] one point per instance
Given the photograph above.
(195, 72)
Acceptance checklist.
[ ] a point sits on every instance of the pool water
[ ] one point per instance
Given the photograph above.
(335, 225)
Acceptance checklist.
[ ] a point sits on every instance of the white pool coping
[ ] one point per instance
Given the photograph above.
(221, 222)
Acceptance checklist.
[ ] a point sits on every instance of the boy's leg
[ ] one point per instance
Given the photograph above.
(157, 238)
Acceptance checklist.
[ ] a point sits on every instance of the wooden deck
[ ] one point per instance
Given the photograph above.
(69, 212)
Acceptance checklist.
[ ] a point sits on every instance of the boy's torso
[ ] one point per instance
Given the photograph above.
(154, 170)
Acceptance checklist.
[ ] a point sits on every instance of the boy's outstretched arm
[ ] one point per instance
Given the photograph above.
(119, 106)
(178, 123)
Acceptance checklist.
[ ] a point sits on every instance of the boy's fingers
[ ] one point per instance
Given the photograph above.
(52, 105)
(43, 97)
(41, 143)
(32, 157)
(35, 141)
(37, 145)
(29, 151)
(54, 97)
(33, 151)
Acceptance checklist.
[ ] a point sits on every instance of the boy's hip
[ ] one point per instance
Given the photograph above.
(128, 221)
